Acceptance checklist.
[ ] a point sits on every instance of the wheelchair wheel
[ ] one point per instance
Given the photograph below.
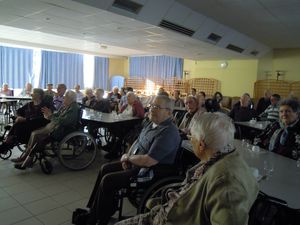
(46, 166)
(156, 189)
(77, 151)
(21, 147)
(6, 155)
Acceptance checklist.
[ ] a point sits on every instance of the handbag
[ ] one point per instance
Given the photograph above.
(268, 210)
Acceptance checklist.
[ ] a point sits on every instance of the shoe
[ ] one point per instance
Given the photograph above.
(80, 216)
(19, 159)
(28, 162)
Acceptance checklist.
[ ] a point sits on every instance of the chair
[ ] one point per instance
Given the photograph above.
(75, 151)
(136, 192)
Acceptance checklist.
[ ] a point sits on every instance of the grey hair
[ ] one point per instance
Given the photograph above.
(71, 95)
(131, 94)
(39, 91)
(167, 102)
(292, 103)
(215, 129)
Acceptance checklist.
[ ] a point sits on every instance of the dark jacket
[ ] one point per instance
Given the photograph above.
(239, 113)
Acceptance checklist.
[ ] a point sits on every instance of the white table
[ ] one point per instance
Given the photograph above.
(105, 118)
(258, 125)
(285, 180)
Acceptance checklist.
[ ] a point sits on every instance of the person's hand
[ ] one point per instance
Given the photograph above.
(47, 112)
(125, 161)
(20, 119)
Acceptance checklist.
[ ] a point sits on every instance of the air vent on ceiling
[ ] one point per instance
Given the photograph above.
(214, 37)
(128, 5)
(254, 52)
(177, 28)
(235, 48)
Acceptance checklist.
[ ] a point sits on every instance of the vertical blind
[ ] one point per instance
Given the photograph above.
(156, 66)
(16, 66)
(60, 67)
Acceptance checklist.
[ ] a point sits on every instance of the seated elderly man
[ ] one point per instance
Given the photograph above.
(283, 137)
(243, 110)
(219, 190)
(193, 108)
(29, 118)
(59, 96)
(133, 106)
(155, 147)
(272, 111)
(60, 124)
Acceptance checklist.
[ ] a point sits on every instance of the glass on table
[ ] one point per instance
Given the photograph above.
(268, 168)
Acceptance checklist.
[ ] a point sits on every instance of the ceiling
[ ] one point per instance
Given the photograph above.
(97, 27)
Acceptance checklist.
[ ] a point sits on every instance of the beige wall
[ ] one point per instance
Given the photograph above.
(117, 66)
(237, 78)
(287, 60)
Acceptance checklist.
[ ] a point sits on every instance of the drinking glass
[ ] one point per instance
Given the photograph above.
(268, 168)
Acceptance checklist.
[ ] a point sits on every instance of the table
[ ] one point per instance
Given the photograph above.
(118, 125)
(285, 180)
(15, 97)
(258, 125)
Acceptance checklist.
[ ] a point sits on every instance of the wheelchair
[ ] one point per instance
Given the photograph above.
(140, 192)
(7, 154)
(76, 151)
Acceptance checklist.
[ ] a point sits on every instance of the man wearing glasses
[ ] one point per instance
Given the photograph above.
(148, 158)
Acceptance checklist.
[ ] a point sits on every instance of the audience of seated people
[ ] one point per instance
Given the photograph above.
(193, 109)
(178, 102)
(155, 147)
(263, 102)
(100, 104)
(89, 97)
(123, 100)
(193, 92)
(283, 136)
(79, 94)
(218, 97)
(26, 92)
(133, 106)
(60, 123)
(114, 98)
(201, 98)
(219, 190)
(5, 91)
(49, 90)
(271, 113)
(58, 98)
(243, 110)
(29, 118)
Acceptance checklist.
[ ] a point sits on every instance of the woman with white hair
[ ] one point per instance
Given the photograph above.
(62, 122)
(133, 107)
(218, 190)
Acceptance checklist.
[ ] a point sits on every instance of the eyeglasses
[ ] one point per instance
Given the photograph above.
(157, 107)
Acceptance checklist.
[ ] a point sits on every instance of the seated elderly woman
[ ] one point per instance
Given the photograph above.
(283, 136)
(133, 106)
(219, 190)
(29, 118)
(99, 103)
(193, 109)
(61, 123)
(89, 97)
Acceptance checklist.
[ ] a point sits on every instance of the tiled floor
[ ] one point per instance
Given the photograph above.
(32, 198)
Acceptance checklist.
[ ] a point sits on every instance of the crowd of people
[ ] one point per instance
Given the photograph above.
(209, 185)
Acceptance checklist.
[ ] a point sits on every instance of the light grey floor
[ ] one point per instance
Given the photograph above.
(32, 198)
